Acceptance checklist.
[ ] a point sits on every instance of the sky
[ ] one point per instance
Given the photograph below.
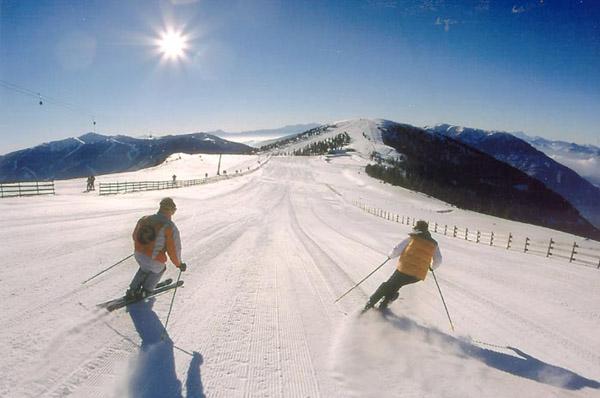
(530, 66)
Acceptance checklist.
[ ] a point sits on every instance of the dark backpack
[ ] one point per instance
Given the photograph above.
(146, 231)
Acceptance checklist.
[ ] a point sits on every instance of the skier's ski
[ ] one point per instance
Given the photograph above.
(166, 282)
(123, 301)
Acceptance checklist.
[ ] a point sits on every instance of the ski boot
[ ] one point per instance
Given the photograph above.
(131, 294)
(137, 294)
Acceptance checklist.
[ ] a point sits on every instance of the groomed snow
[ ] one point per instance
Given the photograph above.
(268, 254)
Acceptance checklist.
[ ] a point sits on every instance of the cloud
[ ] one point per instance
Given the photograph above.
(484, 5)
(518, 9)
(447, 22)
(528, 6)
(183, 2)
(384, 3)
(432, 5)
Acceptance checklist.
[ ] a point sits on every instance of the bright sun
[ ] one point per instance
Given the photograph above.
(172, 45)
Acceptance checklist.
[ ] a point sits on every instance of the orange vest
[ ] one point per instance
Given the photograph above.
(166, 241)
(416, 257)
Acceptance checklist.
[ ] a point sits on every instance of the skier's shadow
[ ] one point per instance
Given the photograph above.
(154, 374)
(523, 365)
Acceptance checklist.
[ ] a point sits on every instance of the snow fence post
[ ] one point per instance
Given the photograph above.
(492, 239)
(454, 232)
(526, 244)
(573, 252)
(549, 252)
(509, 241)
(466, 233)
(478, 237)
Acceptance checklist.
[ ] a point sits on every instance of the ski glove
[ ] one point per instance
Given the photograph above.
(182, 267)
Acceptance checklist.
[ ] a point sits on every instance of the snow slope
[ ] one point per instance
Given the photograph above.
(364, 133)
(268, 254)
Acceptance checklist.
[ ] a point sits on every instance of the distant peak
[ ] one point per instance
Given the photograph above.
(90, 137)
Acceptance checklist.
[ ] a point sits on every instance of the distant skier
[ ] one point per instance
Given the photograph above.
(155, 237)
(417, 254)
(174, 178)
(90, 183)
(92, 180)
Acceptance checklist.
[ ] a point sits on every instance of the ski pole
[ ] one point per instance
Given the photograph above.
(442, 296)
(103, 271)
(164, 333)
(362, 280)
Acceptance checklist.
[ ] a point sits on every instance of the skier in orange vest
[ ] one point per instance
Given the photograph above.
(154, 238)
(417, 254)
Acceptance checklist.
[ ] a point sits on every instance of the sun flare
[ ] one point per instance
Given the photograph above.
(172, 45)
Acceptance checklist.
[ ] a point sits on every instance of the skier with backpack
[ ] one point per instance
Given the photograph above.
(155, 237)
(418, 253)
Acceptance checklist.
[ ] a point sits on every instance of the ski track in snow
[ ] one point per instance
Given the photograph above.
(268, 254)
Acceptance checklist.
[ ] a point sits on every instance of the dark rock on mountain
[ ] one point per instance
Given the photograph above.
(469, 178)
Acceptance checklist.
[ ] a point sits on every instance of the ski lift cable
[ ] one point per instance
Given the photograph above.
(46, 99)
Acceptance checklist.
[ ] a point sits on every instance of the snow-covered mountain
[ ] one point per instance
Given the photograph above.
(98, 154)
(583, 159)
(365, 137)
(522, 155)
(256, 138)
(448, 170)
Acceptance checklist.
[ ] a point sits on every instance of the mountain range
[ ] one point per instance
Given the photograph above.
(522, 155)
(93, 154)
(444, 167)
(583, 159)
(487, 171)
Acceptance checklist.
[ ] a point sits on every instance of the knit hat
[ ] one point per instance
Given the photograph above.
(421, 226)
(167, 203)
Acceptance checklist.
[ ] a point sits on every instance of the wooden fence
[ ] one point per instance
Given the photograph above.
(113, 188)
(582, 252)
(31, 188)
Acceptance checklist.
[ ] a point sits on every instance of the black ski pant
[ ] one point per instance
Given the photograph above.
(145, 279)
(389, 289)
